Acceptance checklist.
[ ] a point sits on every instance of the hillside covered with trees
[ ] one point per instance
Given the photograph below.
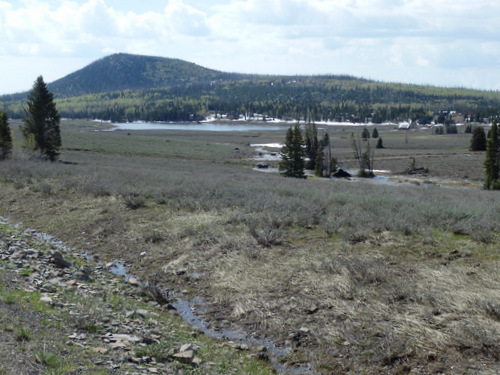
(125, 87)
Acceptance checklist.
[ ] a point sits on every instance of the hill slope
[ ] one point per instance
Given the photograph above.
(131, 72)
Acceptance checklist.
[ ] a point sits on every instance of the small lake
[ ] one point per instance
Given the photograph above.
(208, 127)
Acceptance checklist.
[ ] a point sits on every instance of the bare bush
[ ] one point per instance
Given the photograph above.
(265, 234)
(134, 201)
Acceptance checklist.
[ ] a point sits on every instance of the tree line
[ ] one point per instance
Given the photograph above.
(320, 98)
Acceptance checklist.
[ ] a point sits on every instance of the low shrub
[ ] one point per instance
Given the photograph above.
(134, 201)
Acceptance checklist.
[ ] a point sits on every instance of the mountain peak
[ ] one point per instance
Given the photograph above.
(123, 71)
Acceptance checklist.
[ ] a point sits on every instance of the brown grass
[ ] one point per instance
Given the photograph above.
(350, 276)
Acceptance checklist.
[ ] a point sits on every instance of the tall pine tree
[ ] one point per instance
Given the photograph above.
(325, 164)
(292, 154)
(41, 121)
(311, 145)
(5, 136)
(491, 164)
(478, 140)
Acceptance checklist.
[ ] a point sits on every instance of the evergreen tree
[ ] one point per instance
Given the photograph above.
(379, 143)
(311, 145)
(292, 154)
(491, 163)
(468, 129)
(478, 140)
(365, 134)
(375, 133)
(325, 164)
(320, 161)
(41, 121)
(5, 136)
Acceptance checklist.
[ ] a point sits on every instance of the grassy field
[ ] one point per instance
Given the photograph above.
(368, 276)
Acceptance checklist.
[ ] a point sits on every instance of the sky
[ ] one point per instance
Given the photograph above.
(452, 43)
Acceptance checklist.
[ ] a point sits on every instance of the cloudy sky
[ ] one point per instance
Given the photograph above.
(439, 42)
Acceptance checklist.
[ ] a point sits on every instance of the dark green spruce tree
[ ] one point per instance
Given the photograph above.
(478, 140)
(365, 134)
(325, 164)
(5, 136)
(380, 143)
(491, 165)
(292, 162)
(41, 121)
(311, 145)
(375, 133)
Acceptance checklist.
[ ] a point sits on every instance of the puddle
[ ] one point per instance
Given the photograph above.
(266, 155)
(58, 244)
(119, 269)
(266, 170)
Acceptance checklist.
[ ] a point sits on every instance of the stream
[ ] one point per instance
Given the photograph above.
(187, 310)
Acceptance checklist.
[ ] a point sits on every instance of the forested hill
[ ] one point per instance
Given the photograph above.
(133, 72)
(125, 87)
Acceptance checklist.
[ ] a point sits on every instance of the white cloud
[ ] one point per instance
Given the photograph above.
(48, 28)
(185, 20)
(414, 41)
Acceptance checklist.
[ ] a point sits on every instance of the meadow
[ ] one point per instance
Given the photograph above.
(345, 276)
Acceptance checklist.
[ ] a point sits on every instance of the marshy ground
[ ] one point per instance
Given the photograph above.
(343, 276)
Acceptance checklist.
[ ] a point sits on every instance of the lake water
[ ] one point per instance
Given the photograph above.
(208, 127)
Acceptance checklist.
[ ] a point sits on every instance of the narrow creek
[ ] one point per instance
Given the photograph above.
(187, 310)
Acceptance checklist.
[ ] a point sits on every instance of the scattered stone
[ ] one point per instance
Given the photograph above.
(80, 276)
(186, 347)
(124, 338)
(186, 357)
(135, 360)
(46, 299)
(118, 345)
(133, 281)
(304, 330)
(196, 362)
(58, 260)
(313, 310)
(100, 350)
(85, 269)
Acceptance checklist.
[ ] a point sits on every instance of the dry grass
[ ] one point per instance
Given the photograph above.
(352, 277)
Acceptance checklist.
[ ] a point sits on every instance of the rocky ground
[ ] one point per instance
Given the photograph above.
(66, 313)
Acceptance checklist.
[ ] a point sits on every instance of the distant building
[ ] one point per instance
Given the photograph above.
(407, 125)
